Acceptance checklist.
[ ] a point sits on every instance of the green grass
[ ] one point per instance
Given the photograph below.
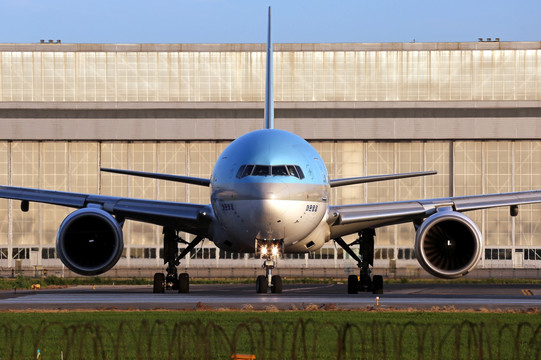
(22, 282)
(269, 335)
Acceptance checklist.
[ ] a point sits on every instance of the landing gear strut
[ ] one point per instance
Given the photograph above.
(264, 282)
(172, 281)
(364, 282)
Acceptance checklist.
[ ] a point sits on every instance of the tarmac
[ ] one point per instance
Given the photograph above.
(294, 297)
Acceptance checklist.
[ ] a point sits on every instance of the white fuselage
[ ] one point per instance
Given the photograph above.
(270, 185)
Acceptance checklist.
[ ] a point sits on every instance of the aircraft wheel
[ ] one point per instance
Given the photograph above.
(261, 284)
(183, 283)
(377, 284)
(159, 286)
(276, 284)
(353, 284)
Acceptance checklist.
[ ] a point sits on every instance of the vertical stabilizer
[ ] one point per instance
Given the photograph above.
(269, 101)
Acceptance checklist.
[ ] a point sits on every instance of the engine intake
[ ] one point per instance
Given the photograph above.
(89, 241)
(448, 244)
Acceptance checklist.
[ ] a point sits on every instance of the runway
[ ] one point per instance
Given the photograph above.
(294, 296)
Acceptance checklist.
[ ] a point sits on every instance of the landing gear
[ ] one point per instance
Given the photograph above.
(276, 281)
(377, 284)
(264, 282)
(159, 283)
(269, 250)
(261, 284)
(365, 282)
(172, 281)
(353, 284)
(183, 283)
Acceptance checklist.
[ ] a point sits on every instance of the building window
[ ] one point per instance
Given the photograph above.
(142, 253)
(323, 254)
(231, 255)
(384, 254)
(150, 253)
(20, 253)
(406, 254)
(203, 253)
(498, 254)
(532, 254)
(48, 253)
(293, 256)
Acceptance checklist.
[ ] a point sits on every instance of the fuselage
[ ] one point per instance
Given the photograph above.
(270, 185)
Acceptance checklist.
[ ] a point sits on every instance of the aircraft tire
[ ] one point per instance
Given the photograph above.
(353, 284)
(261, 284)
(377, 284)
(276, 284)
(183, 283)
(159, 280)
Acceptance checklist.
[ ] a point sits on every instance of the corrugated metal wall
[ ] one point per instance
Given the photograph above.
(217, 76)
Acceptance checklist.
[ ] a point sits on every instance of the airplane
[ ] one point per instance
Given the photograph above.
(270, 195)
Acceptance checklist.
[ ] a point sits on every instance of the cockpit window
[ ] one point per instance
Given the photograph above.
(261, 170)
(265, 170)
(292, 171)
(247, 170)
(279, 170)
(241, 170)
(299, 171)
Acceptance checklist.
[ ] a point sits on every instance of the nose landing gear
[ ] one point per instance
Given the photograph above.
(269, 251)
(264, 282)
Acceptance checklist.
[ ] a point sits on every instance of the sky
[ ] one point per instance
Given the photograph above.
(244, 21)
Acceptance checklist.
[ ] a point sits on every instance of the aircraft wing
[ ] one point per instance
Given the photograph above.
(375, 178)
(193, 218)
(168, 177)
(349, 219)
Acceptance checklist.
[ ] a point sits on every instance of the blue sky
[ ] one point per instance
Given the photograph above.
(244, 21)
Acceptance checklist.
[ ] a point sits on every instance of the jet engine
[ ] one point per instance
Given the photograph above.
(89, 241)
(448, 244)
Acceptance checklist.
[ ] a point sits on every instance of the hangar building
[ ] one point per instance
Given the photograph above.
(471, 111)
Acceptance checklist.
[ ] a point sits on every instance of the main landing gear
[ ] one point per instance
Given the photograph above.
(364, 282)
(269, 252)
(172, 281)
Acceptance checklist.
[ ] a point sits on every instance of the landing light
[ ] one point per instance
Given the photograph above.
(268, 248)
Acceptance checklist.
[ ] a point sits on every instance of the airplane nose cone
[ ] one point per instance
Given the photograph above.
(268, 216)
(268, 209)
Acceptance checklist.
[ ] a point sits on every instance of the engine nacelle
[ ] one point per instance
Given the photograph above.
(89, 241)
(448, 244)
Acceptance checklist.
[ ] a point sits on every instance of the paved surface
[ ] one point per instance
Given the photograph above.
(400, 296)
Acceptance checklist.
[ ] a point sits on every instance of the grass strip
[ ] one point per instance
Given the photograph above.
(23, 282)
(269, 335)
